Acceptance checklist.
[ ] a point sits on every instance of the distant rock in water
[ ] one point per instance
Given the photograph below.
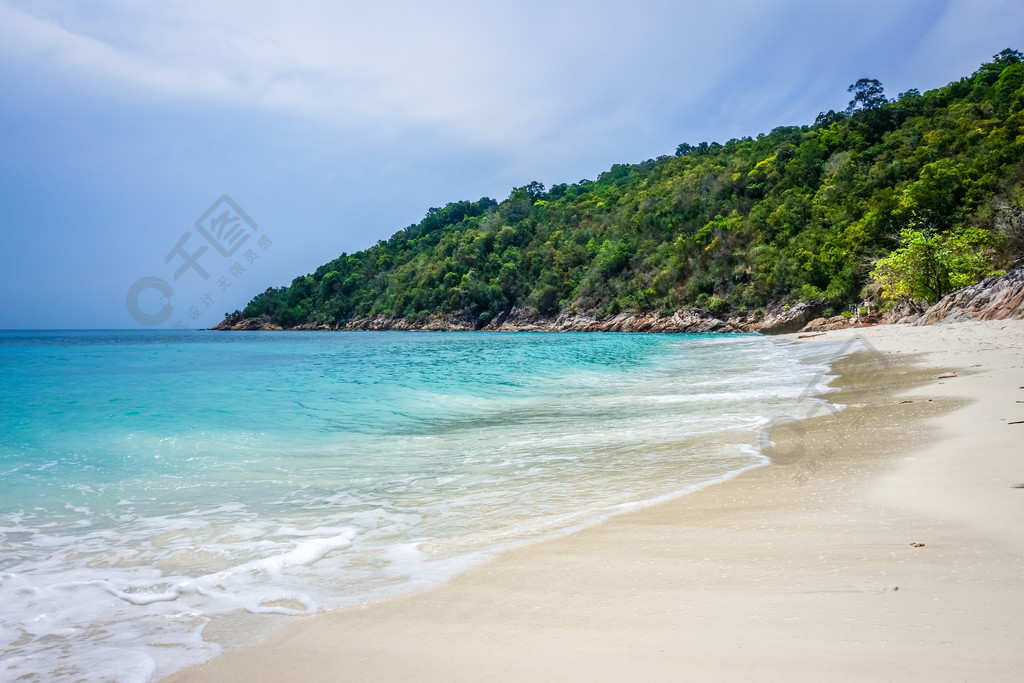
(995, 298)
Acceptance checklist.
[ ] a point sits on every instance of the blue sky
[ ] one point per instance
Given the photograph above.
(334, 124)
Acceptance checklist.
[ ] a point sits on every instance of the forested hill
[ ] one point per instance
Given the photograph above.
(907, 198)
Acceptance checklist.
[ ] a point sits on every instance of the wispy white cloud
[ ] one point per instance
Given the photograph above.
(495, 73)
(536, 79)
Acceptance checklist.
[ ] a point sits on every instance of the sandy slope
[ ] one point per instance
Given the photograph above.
(802, 570)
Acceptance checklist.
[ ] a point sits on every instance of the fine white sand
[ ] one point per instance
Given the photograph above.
(801, 570)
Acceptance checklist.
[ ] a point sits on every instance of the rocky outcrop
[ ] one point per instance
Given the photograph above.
(432, 324)
(521, 320)
(836, 322)
(840, 322)
(263, 323)
(680, 321)
(995, 298)
(786, 319)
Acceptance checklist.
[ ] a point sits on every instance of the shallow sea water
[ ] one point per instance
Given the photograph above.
(161, 501)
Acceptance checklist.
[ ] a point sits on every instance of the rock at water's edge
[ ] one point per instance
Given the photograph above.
(263, 323)
(521, 320)
(787, 321)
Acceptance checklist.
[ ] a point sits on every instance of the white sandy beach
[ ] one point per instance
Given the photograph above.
(803, 570)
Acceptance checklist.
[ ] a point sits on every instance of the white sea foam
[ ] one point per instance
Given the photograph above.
(229, 530)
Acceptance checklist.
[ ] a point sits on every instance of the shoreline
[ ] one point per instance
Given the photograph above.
(802, 569)
(776, 320)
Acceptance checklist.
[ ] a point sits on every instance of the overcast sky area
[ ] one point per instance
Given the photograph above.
(335, 124)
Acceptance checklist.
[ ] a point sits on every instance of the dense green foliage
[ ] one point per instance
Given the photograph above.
(802, 213)
(930, 265)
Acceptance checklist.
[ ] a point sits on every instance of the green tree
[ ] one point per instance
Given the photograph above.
(929, 265)
(868, 94)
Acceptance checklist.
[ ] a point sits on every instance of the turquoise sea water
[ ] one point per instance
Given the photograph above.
(161, 501)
